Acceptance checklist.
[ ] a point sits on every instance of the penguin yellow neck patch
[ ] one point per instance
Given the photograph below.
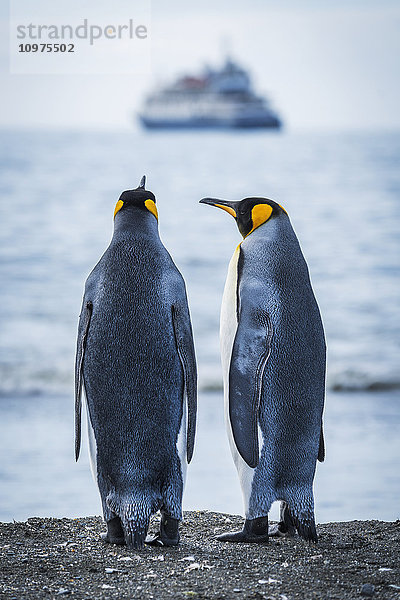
(260, 214)
(228, 209)
(150, 205)
(285, 211)
(118, 207)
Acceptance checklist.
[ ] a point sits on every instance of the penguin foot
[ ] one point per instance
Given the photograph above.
(168, 534)
(255, 531)
(280, 530)
(115, 533)
(286, 526)
(157, 539)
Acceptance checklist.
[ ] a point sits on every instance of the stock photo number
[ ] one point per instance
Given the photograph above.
(46, 48)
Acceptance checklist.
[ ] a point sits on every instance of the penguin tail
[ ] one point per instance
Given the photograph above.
(135, 534)
(301, 515)
(306, 528)
(135, 517)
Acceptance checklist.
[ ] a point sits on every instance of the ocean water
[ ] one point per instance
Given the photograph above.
(58, 192)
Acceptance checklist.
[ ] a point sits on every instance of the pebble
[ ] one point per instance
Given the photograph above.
(192, 567)
(269, 581)
(63, 592)
(367, 590)
(110, 570)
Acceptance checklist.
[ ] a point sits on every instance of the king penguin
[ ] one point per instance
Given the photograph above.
(136, 362)
(273, 360)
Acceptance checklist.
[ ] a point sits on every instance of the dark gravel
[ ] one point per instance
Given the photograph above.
(57, 558)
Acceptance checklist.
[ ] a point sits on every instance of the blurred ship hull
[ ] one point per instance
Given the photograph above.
(202, 123)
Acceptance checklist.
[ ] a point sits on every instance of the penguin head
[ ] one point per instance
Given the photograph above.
(249, 213)
(139, 197)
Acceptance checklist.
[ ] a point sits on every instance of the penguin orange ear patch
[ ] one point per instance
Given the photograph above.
(118, 207)
(260, 214)
(150, 205)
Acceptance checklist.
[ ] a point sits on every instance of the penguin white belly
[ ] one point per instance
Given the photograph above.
(181, 443)
(92, 444)
(228, 327)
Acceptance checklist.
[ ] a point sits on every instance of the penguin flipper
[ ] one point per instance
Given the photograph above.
(185, 347)
(250, 352)
(83, 329)
(321, 449)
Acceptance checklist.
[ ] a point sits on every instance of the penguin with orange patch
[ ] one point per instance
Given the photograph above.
(135, 360)
(273, 359)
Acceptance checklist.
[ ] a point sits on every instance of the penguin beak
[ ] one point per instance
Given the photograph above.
(228, 206)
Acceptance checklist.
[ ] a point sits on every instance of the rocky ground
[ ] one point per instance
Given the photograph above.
(56, 558)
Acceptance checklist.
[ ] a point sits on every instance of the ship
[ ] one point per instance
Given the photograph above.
(216, 99)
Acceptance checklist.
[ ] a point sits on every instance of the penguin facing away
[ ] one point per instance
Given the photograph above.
(135, 360)
(273, 360)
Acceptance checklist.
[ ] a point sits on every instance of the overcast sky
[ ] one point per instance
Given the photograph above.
(328, 64)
